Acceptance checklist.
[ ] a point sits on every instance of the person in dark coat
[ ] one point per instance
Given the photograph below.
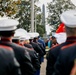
(41, 46)
(41, 41)
(8, 63)
(65, 60)
(39, 51)
(31, 51)
(36, 48)
(7, 32)
(35, 40)
(24, 40)
(55, 51)
(34, 57)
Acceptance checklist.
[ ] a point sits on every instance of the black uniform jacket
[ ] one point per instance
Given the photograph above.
(34, 57)
(41, 46)
(8, 63)
(28, 46)
(65, 61)
(22, 57)
(53, 54)
(37, 49)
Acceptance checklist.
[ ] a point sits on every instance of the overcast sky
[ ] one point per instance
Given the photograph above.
(74, 2)
(41, 2)
(44, 1)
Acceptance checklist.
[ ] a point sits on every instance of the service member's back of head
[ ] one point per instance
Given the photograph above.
(69, 20)
(7, 26)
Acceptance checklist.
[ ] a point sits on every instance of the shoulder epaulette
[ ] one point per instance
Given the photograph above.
(54, 46)
(67, 46)
(6, 47)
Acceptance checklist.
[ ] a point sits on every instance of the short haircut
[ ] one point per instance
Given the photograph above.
(15, 40)
(70, 30)
(53, 37)
(7, 33)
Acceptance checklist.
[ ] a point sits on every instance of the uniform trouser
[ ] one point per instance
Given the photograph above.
(37, 72)
(42, 59)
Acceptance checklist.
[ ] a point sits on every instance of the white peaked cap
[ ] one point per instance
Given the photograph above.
(27, 37)
(60, 37)
(37, 34)
(21, 34)
(33, 34)
(21, 30)
(7, 24)
(69, 18)
(16, 37)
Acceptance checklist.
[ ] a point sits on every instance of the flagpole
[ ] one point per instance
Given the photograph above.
(32, 15)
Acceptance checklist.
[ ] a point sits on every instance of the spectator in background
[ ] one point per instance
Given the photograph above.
(46, 42)
(52, 42)
(41, 41)
(43, 44)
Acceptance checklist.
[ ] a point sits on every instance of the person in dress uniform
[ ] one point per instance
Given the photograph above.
(21, 38)
(32, 53)
(41, 41)
(36, 46)
(7, 30)
(35, 40)
(67, 56)
(68, 18)
(8, 63)
(38, 49)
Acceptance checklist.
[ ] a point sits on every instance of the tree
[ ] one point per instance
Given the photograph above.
(21, 9)
(24, 14)
(40, 28)
(38, 19)
(9, 7)
(55, 8)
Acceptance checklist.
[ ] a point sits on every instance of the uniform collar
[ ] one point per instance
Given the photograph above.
(6, 39)
(71, 38)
